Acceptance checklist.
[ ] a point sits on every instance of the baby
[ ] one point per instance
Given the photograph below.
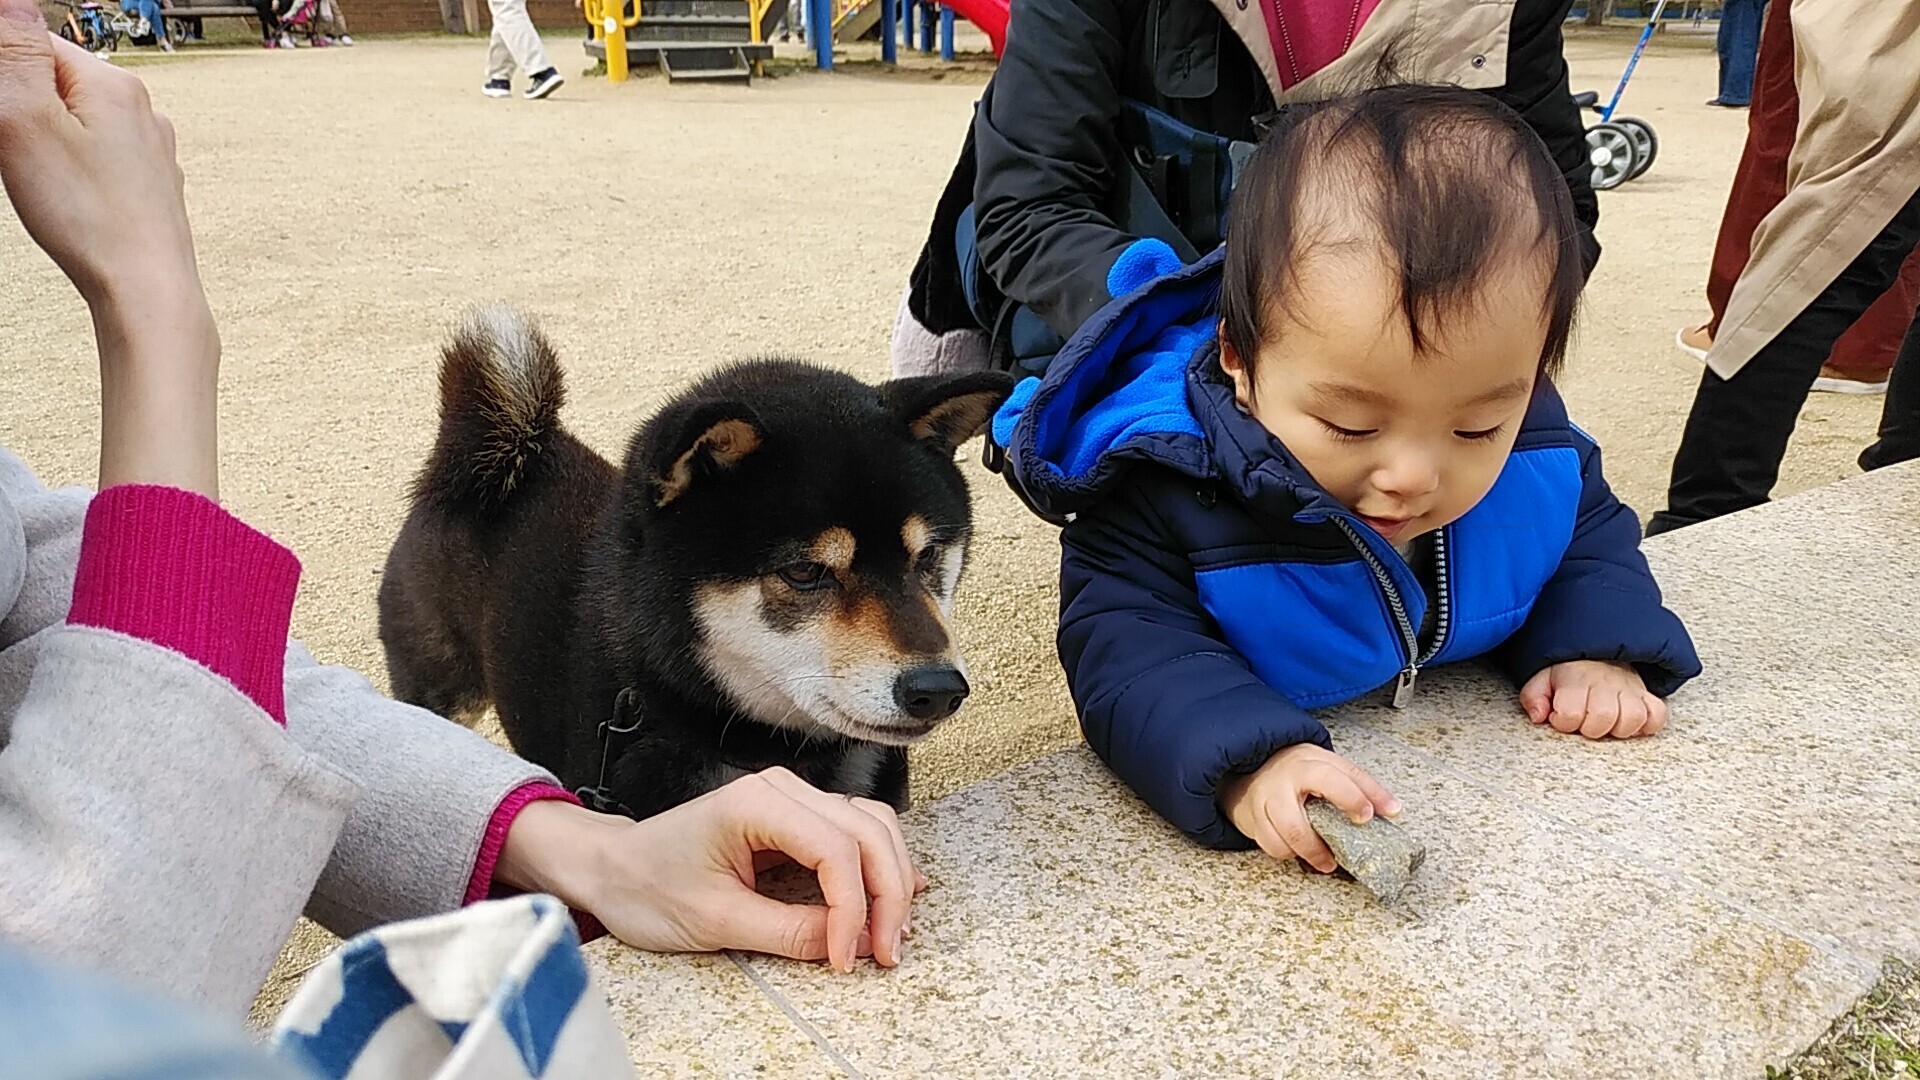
(1330, 456)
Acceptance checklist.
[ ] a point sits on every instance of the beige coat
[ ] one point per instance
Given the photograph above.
(1855, 162)
(1463, 42)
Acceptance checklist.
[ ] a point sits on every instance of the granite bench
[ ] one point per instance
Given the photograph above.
(1701, 904)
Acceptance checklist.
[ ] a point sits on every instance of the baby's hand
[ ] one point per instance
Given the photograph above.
(1266, 804)
(1596, 698)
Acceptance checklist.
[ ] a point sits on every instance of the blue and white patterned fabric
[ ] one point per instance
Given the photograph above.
(497, 991)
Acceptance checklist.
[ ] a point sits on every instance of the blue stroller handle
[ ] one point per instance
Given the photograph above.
(1646, 35)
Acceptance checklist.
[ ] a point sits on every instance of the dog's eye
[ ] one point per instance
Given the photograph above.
(931, 561)
(807, 575)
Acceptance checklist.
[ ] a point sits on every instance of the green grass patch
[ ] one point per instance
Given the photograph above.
(1878, 1039)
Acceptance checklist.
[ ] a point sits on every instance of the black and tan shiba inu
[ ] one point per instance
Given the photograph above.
(767, 580)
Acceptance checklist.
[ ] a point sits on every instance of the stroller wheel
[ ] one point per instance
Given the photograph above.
(1646, 145)
(1611, 152)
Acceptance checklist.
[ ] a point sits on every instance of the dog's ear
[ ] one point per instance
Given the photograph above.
(946, 410)
(697, 441)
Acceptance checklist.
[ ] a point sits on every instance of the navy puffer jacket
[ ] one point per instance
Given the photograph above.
(1211, 593)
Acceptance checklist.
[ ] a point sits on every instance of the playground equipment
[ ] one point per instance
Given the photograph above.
(728, 39)
(1621, 149)
(703, 40)
(856, 19)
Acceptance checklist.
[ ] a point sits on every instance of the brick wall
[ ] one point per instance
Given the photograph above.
(389, 16)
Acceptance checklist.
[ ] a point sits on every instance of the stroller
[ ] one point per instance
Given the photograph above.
(300, 19)
(1621, 148)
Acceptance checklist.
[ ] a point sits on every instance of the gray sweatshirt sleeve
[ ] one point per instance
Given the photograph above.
(154, 822)
(428, 789)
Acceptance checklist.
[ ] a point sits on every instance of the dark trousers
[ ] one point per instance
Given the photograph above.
(1737, 433)
(1738, 42)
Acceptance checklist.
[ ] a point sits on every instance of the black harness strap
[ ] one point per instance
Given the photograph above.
(616, 734)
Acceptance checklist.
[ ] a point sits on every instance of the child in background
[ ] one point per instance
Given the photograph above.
(1330, 455)
(516, 44)
(150, 11)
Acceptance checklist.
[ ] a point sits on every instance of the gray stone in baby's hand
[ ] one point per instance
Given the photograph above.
(1380, 855)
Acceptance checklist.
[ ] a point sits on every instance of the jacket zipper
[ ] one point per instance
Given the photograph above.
(1409, 634)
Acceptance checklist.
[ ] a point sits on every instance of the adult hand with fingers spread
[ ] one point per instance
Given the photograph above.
(90, 170)
(1595, 698)
(1268, 804)
(683, 880)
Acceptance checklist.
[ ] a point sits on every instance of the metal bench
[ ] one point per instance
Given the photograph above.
(201, 9)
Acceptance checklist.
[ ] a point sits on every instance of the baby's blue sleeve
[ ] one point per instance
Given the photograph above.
(1163, 700)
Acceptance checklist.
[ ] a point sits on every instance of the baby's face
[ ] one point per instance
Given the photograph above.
(1408, 441)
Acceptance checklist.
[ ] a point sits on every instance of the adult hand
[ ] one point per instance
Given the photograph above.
(90, 170)
(683, 881)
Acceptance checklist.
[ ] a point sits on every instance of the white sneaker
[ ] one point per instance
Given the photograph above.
(286, 41)
(1829, 383)
(344, 39)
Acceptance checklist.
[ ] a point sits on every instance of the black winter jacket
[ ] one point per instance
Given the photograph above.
(1042, 163)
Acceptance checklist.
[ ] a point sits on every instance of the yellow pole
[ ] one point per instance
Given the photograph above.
(756, 10)
(616, 42)
(610, 26)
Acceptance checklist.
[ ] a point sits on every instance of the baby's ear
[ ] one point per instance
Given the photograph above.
(946, 410)
(1235, 366)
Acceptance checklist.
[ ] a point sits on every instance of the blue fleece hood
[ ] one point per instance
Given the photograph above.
(1117, 391)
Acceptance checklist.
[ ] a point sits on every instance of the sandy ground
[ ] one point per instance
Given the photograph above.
(349, 203)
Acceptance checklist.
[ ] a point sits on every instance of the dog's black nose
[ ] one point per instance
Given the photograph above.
(930, 693)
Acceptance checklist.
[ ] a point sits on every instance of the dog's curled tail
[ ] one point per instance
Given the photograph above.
(500, 397)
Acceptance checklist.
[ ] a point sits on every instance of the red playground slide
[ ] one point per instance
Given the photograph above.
(989, 15)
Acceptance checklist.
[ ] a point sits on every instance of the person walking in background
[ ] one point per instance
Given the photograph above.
(515, 43)
(1738, 44)
(1835, 243)
(1862, 359)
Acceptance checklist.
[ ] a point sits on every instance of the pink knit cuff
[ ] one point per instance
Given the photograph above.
(481, 886)
(171, 567)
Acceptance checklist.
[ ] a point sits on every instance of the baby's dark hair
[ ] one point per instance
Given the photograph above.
(1447, 180)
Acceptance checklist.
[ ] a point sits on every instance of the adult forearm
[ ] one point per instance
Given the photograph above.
(159, 393)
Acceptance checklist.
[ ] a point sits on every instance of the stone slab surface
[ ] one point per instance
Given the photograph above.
(1071, 933)
(1701, 904)
(1788, 781)
(702, 1016)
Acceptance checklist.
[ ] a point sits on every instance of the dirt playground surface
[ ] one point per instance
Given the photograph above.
(349, 204)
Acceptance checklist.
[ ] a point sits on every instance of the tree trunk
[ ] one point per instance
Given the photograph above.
(1598, 11)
